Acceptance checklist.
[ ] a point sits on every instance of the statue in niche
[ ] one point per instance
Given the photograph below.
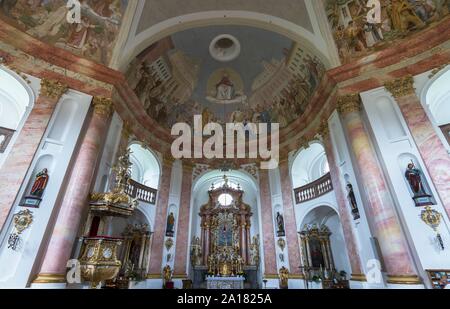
(284, 278)
(37, 190)
(352, 201)
(414, 177)
(196, 252)
(254, 251)
(170, 225)
(280, 225)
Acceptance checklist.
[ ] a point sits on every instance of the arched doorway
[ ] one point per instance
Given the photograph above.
(228, 204)
(323, 249)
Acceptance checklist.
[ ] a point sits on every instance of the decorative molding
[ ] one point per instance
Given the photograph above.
(102, 106)
(401, 86)
(407, 279)
(349, 103)
(52, 89)
(50, 278)
(438, 69)
(358, 277)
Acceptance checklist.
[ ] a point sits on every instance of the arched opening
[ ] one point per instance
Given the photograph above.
(310, 173)
(228, 204)
(438, 101)
(323, 248)
(145, 169)
(16, 100)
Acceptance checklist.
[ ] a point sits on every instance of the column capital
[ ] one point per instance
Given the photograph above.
(323, 129)
(400, 87)
(349, 103)
(102, 106)
(127, 130)
(52, 89)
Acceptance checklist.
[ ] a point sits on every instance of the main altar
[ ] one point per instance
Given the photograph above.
(225, 255)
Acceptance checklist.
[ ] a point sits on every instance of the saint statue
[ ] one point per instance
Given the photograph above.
(280, 225)
(414, 177)
(40, 184)
(170, 225)
(352, 201)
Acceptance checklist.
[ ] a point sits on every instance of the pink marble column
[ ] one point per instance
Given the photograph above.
(268, 237)
(75, 201)
(15, 168)
(431, 149)
(289, 220)
(181, 253)
(344, 214)
(156, 254)
(380, 208)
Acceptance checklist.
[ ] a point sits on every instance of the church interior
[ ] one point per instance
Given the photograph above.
(354, 94)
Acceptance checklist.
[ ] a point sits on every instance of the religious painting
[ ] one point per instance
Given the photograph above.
(356, 36)
(440, 279)
(5, 138)
(226, 87)
(174, 81)
(94, 37)
(34, 199)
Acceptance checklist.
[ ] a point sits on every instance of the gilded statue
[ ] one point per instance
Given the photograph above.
(284, 277)
(167, 274)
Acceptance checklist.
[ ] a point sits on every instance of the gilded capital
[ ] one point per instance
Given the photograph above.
(102, 106)
(323, 129)
(52, 89)
(349, 103)
(401, 86)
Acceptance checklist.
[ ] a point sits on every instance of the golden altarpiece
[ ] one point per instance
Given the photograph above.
(225, 248)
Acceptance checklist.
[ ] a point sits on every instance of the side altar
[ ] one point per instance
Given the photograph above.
(225, 255)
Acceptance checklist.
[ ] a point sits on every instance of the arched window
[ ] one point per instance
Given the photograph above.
(438, 101)
(16, 99)
(145, 169)
(309, 165)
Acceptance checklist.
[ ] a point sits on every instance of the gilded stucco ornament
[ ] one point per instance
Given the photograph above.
(323, 129)
(102, 106)
(52, 88)
(433, 219)
(281, 243)
(23, 220)
(349, 103)
(401, 86)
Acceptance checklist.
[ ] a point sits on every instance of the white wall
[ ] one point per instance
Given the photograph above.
(397, 148)
(54, 153)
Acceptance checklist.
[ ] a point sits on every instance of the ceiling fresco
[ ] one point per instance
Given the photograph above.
(93, 38)
(356, 37)
(268, 79)
(156, 11)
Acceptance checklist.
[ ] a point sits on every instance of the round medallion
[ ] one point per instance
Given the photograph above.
(225, 199)
(224, 48)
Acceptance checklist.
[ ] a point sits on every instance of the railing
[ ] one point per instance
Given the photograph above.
(141, 192)
(314, 190)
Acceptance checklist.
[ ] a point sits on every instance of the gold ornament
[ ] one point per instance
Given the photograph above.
(401, 86)
(323, 129)
(102, 106)
(349, 103)
(169, 243)
(281, 243)
(52, 89)
(22, 220)
(284, 277)
(431, 217)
